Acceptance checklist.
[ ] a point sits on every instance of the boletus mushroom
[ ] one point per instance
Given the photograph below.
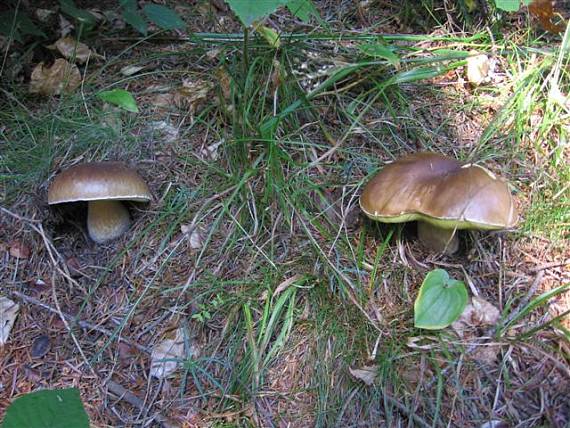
(103, 185)
(442, 194)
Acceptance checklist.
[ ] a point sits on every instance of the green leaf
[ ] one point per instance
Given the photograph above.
(440, 302)
(56, 408)
(270, 35)
(18, 25)
(135, 20)
(120, 98)
(28, 27)
(252, 10)
(69, 8)
(380, 51)
(508, 5)
(302, 9)
(165, 18)
(133, 17)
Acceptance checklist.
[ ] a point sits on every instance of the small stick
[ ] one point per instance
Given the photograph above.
(133, 400)
(83, 324)
(549, 266)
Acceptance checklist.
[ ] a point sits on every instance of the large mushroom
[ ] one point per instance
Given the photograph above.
(103, 185)
(442, 194)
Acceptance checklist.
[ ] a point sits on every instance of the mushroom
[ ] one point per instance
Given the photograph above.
(103, 185)
(442, 194)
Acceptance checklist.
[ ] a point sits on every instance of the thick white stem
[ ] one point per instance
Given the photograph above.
(107, 220)
(438, 239)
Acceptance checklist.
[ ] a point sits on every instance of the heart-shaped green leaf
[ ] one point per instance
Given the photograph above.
(120, 98)
(60, 408)
(248, 11)
(440, 302)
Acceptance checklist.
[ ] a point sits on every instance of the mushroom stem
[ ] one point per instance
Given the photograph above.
(107, 220)
(438, 239)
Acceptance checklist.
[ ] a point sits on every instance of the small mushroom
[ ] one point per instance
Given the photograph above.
(103, 185)
(442, 194)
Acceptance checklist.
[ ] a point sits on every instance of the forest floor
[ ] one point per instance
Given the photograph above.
(285, 305)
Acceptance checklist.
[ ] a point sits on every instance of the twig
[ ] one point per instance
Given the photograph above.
(19, 217)
(83, 324)
(133, 400)
(409, 414)
(549, 266)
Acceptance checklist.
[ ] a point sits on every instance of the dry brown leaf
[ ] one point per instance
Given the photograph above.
(196, 239)
(167, 132)
(486, 354)
(73, 50)
(166, 355)
(8, 314)
(366, 374)
(192, 93)
(60, 77)
(162, 100)
(19, 250)
(286, 284)
(477, 313)
(478, 66)
(544, 11)
(225, 82)
(211, 151)
(129, 70)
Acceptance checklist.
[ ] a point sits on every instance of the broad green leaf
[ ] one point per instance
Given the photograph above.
(121, 98)
(511, 5)
(380, 51)
(440, 301)
(165, 18)
(28, 27)
(133, 17)
(68, 7)
(252, 10)
(135, 20)
(302, 9)
(55, 408)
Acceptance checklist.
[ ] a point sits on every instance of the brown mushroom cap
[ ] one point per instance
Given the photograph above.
(439, 190)
(98, 181)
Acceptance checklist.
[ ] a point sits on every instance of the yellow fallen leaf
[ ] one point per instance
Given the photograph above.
(60, 77)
